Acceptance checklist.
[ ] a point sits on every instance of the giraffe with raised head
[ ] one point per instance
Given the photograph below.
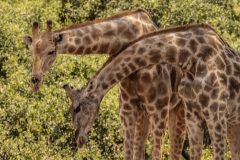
(110, 36)
(209, 88)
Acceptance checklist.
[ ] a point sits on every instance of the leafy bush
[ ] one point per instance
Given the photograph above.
(38, 126)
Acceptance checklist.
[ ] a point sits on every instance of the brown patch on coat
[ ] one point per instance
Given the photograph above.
(119, 76)
(162, 88)
(145, 77)
(220, 64)
(141, 50)
(181, 42)
(193, 45)
(116, 46)
(88, 50)
(151, 94)
(164, 113)
(214, 107)
(236, 67)
(71, 49)
(205, 52)
(80, 50)
(124, 96)
(140, 62)
(87, 40)
(77, 41)
(214, 93)
(104, 47)
(183, 55)
(233, 87)
(200, 40)
(171, 54)
(161, 102)
(155, 59)
(109, 32)
(95, 47)
(128, 34)
(204, 100)
(127, 107)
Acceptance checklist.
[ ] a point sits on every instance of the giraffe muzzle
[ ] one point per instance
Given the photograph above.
(81, 139)
(35, 83)
(35, 80)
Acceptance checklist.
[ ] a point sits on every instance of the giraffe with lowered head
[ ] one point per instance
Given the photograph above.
(110, 36)
(209, 88)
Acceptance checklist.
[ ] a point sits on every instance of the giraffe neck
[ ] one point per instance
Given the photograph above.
(107, 36)
(173, 47)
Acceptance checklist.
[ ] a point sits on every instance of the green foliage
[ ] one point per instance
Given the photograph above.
(38, 126)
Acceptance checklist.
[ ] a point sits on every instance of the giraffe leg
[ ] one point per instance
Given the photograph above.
(141, 133)
(158, 122)
(128, 114)
(217, 131)
(233, 133)
(176, 127)
(194, 125)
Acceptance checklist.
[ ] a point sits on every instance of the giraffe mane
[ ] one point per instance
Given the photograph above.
(86, 23)
(161, 31)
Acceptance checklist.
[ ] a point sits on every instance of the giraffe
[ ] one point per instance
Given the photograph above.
(110, 36)
(209, 88)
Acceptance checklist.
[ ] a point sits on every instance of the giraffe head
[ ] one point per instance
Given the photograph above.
(42, 45)
(83, 109)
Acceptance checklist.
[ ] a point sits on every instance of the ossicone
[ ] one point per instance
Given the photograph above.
(49, 25)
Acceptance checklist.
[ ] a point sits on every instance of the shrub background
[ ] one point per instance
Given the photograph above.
(38, 126)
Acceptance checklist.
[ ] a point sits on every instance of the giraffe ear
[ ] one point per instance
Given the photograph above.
(27, 40)
(49, 25)
(57, 38)
(69, 91)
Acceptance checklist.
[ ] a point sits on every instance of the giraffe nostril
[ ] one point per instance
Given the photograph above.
(34, 80)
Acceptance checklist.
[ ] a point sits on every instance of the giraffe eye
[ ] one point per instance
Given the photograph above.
(76, 110)
(52, 53)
